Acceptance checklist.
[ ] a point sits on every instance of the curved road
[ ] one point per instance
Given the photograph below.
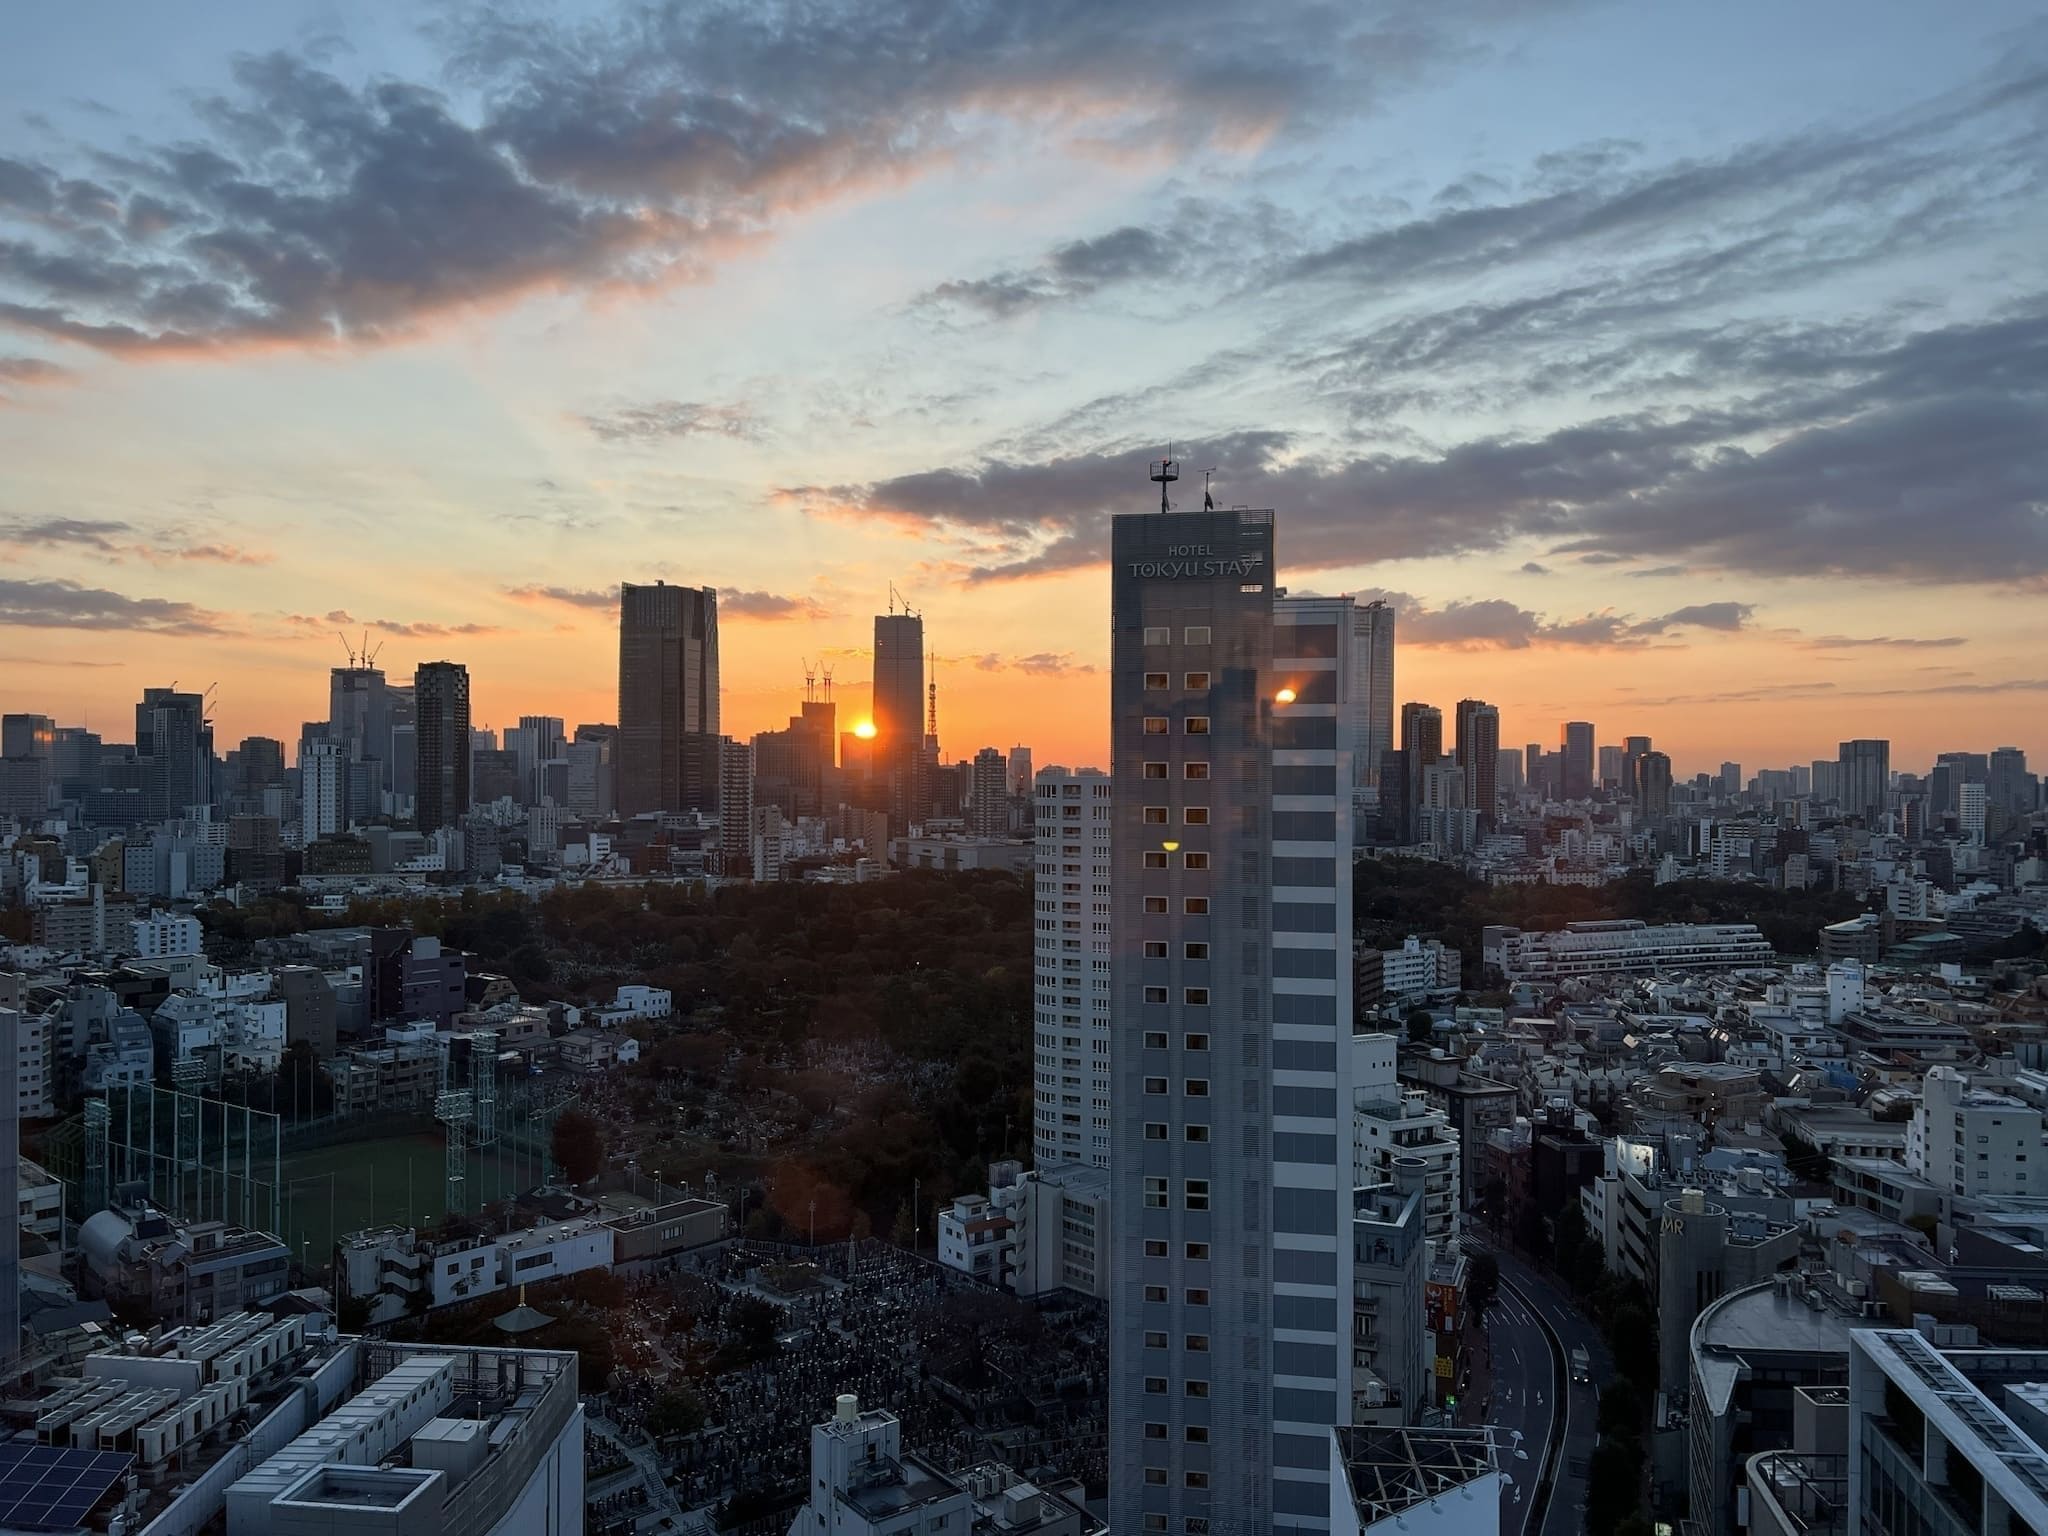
(1526, 1377)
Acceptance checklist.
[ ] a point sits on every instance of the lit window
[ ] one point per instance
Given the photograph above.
(1196, 680)
(1197, 725)
(1155, 725)
(1155, 680)
(1195, 770)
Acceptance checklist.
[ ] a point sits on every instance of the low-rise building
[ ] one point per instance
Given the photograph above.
(135, 1256)
(1621, 946)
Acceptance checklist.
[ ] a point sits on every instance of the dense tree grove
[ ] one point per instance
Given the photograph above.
(1392, 898)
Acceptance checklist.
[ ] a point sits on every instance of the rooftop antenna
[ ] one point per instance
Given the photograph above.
(828, 682)
(1164, 473)
(1208, 501)
(810, 683)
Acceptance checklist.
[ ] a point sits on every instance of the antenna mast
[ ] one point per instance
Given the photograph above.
(1208, 501)
(1164, 473)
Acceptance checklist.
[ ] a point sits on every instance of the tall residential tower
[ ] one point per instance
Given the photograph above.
(668, 699)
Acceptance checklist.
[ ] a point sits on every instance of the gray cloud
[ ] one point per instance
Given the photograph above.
(771, 606)
(62, 604)
(120, 539)
(574, 597)
(86, 533)
(1880, 642)
(634, 149)
(1497, 624)
(657, 421)
(1535, 568)
(1038, 664)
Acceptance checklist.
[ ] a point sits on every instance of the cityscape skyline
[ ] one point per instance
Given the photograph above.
(1726, 430)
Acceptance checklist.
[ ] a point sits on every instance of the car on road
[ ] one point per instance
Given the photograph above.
(1582, 1368)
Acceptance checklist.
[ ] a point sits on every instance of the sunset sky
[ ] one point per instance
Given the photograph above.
(1679, 367)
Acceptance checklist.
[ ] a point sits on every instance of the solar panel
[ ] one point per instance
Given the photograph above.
(53, 1488)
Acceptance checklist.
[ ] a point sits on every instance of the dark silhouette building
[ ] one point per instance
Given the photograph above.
(668, 699)
(441, 726)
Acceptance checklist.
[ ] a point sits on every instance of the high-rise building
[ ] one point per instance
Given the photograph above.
(1576, 746)
(1231, 976)
(1070, 965)
(1020, 770)
(1729, 780)
(1372, 666)
(359, 723)
(668, 694)
(323, 790)
(540, 743)
(988, 795)
(1866, 779)
(1652, 787)
(896, 755)
(27, 736)
(1479, 756)
(592, 789)
(174, 739)
(1422, 744)
(1632, 747)
(1509, 776)
(443, 737)
(2010, 788)
(735, 807)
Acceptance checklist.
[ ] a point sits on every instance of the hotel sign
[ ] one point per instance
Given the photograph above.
(1184, 560)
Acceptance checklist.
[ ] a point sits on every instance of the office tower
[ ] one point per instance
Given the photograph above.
(1509, 774)
(1422, 743)
(1971, 767)
(1632, 747)
(359, 723)
(2010, 787)
(1372, 666)
(1532, 766)
(1230, 961)
(323, 790)
(27, 736)
(1071, 997)
(75, 761)
(735, 807)
(988, 795)
(1825, 775)
(1479, 756)
(174, 739)
(255, 853)
(1866, 779)
(897, 713)
(591, 791)
(668, 699)
(444, 744)
(1020, 777)
(1971, 812)
(1729, 780)
(1576, 749)
(259, 765)
(1652, 787)
(1607, 767)
(540, 743)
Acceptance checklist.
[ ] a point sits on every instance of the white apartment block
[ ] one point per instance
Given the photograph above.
(164, 935)
(1971, 1141)
(1419, 967)
(1622, 946)
(1070, 964)
(1389, 1121)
